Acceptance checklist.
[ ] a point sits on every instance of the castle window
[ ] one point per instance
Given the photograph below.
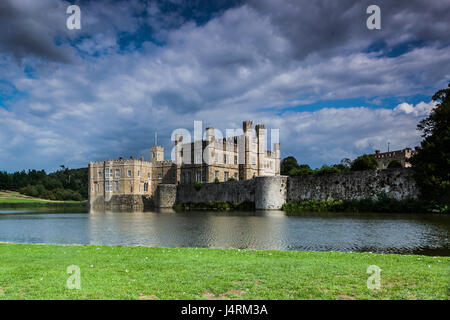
(199, 176)
(97, 186)
(139, 173)
(253, 161)
(99, 174)
(159, 176)
(129, 173)
(235, 175)
(108, 173)
(235, 159)
(225, 159)
(217, 174)
(140, 188)
(271, 164)
(116, 186)
(149, 175)
(189, 178)
(145, 187)
(108, 186)
(226, 175)
(117, 173)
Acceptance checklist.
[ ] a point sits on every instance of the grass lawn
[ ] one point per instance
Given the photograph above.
(113, 272)
(15, 199)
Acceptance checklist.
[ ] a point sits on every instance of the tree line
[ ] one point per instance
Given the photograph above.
(290, 167)
(64, 184)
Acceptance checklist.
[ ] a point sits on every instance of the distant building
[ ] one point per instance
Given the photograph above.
(241, 157)
(403, 156)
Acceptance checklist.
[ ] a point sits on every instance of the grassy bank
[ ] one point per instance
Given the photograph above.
(39, 272)
(11, 199)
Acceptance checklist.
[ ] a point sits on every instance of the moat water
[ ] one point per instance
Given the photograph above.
(425, 234)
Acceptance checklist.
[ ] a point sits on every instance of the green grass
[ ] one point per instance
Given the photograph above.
(13, 199)
(112, 272)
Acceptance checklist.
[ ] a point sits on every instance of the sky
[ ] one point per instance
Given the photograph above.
(311, 69)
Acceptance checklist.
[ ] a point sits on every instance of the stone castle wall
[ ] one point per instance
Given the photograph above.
(272, 192)
(395, 183)
(231, 191)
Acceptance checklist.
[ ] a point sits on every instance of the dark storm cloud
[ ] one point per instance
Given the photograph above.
(327, 27)
(29, 28)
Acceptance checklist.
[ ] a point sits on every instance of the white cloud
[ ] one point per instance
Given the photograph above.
(420, 109)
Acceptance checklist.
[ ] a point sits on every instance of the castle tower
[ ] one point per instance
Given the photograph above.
(245, 168)
(156, 153)
(277, 150)
(261, 138)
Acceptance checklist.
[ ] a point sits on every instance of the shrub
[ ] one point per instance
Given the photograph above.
(394, 164)
(364, 162)
(198, 185)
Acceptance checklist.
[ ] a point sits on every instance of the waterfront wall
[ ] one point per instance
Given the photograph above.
(121, 203)
(395, 183)
(273, 192)
(231, 191)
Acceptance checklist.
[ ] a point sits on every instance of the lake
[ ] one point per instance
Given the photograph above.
(425, 234)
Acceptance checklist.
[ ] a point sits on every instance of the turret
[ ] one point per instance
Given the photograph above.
(156, 153)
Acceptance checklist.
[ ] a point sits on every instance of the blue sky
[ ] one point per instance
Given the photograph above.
(311, 69)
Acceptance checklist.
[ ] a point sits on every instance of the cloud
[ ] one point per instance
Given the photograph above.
(91, 97)
(421, 109)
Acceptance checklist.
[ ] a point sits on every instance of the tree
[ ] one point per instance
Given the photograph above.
(394, 164)
(364, 162)
(287, 164)
(301, 170)
(431, 164)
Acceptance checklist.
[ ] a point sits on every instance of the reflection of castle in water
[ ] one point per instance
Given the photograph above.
(170, 229)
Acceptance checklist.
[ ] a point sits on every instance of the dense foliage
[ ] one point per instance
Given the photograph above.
(432, 164)
(290, 167)
(394, 164)
(64, 184)
(288, 164)
(365, 162)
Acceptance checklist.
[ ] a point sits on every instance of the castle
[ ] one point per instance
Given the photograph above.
(402, 156)
(240, 157)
